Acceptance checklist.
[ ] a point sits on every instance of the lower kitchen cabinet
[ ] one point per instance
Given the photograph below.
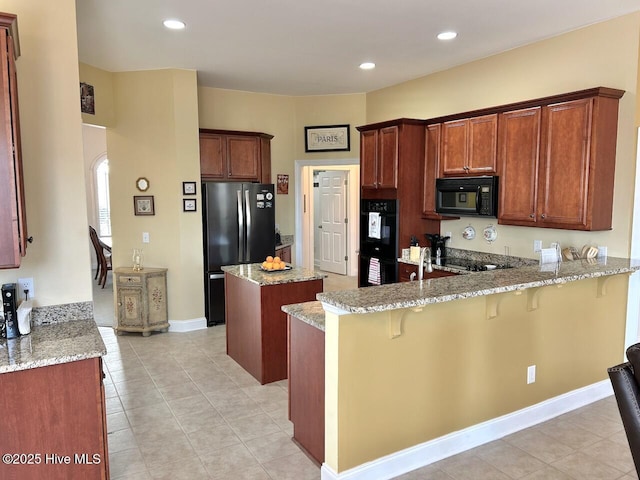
(284, 253)
(53, 413)
(406, 269)
(141, 300)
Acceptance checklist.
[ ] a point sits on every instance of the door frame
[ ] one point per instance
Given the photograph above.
(304, 223)
(632, 333)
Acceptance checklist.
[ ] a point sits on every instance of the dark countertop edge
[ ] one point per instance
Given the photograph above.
(97, 350)
(330, 303)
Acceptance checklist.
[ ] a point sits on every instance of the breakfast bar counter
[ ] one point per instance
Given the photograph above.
(256, 326)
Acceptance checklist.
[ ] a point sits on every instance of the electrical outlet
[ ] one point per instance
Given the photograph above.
(531, 374)
(448, 234)
(537, 246)
(145, 237)
(26, 284)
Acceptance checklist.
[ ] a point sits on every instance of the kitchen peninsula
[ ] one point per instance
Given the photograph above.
(52, 399)
(256, 326)
(418, 371)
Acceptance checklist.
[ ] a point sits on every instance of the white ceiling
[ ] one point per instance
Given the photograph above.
(303, 47)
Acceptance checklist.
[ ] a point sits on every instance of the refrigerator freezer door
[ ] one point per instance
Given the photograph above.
(215, 299)
(260, 221)
(220, 224)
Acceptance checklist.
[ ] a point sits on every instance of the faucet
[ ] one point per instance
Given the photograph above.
(424, 252)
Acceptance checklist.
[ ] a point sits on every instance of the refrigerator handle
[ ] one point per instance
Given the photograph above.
(240, 228)
(247, 210)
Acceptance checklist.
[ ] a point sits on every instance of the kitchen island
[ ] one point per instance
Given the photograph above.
(419, 371)
(52, 399)
(256, 325)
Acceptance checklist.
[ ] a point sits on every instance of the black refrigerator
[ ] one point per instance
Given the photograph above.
(238, 227)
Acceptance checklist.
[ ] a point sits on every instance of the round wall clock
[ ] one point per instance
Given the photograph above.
(142, 184)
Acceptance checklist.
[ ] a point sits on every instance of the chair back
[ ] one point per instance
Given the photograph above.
(625, 379)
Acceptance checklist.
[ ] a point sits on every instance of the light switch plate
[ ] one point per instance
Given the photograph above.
(537, 245)
(145, 237)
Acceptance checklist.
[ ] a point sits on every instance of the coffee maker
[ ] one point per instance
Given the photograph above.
(9, 324)
(437, 244)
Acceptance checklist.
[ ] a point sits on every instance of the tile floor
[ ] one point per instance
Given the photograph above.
(179, 408)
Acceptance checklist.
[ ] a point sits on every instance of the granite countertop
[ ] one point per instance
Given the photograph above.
(416, 294)
(308, 312)
(51, 345)
(253, 273)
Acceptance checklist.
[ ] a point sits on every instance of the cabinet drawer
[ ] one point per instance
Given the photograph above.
(129, 279)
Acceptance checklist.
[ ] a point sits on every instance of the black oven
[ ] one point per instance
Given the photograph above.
(467, 196)
(378, 242)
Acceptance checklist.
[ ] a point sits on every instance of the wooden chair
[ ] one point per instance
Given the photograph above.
(104, 259)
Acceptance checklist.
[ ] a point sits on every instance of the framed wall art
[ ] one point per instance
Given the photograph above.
(189, 205)
(188, 188)
(326, 138)
(143, 205)
(87, 99)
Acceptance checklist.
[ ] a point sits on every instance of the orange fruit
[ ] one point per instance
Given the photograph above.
(264, 264)
(276, 259)
(269, 266)
(270, 258)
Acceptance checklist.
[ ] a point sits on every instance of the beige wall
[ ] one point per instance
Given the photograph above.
(49, 102)
(102, 82)
(283, 117)
(605, 54)
(156, 136)
(452, 367)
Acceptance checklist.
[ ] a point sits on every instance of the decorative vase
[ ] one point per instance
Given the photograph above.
(137, 259)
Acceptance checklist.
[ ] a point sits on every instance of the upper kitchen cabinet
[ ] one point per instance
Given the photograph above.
(469, 146)
(390, 153)
(566, 180)
(432, 149)
(235, 156)
(379, 157)
(13, 224)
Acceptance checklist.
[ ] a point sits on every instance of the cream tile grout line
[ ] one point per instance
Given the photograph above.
(194, 381)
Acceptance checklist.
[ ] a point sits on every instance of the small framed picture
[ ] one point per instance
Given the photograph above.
(143, 205)
(189, 205)
(188, 188)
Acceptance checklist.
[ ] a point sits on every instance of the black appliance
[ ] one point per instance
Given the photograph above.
(378, 242)
(9, 325)
(238, 227)
(437, 242)
(467, 196)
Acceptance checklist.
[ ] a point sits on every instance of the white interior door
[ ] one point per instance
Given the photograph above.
(333, 221)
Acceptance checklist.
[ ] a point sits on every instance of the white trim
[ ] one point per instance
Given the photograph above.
(632, 334)
(432, 451)
(181, 326)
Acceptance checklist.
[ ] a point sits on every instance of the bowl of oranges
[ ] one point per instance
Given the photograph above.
(274, 264)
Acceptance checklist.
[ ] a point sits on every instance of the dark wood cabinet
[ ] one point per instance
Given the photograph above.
(469, 146)
(284, 253)
(432, 150)
(57, 409)
(235, 156)
(379, 158)
(557, 162)
(13, 224)
(519, 158)
(406, 269)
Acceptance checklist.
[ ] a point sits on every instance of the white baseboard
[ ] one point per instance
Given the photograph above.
(180, 326)
(434, 450)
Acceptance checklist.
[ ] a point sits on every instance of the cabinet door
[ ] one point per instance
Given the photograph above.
(483, 132)
(405, 270)
(212, 161)
(455, 147)
(242, 158)
(12, 214)
(388, 158)
(368, 159)
(156, 301)
(130, 307)
(433, 134)
(518, 151)
(564, 173)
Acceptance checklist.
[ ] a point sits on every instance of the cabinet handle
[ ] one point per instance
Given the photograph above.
(544, 216)
(531, 215)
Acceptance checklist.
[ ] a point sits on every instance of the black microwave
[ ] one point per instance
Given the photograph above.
(467, 196)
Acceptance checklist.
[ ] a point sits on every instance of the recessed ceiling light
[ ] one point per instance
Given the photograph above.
(447, 35)
(174, 24)
(367, 65)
